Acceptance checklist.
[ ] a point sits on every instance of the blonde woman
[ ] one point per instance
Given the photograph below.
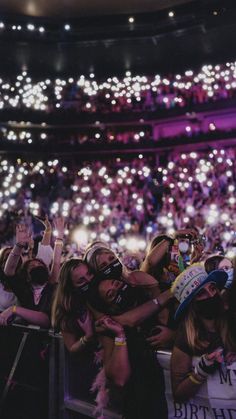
(202, 331)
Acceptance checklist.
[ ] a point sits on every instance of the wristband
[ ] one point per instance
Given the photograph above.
(14, 309)
(120, 341)
(194, 380)
(156, 301)
(204, 367)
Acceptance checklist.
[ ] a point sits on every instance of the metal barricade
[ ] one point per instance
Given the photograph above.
(39, 379)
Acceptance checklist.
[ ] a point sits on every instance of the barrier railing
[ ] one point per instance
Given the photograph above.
(40, 379)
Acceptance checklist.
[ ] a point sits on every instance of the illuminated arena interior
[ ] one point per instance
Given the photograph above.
(120, 118)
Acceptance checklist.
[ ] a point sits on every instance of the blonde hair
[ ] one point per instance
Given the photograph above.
(192, 323)
(93, 259)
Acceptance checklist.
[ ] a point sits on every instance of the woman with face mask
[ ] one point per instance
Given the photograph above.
(202, 331)
(128, 359)
(34, 285)
(127, 299)
(221, 262)
(70, 314)
(105, 264)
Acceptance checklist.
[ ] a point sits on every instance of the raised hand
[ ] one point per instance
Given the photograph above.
(45, 221)
(208, 363)
(59, 225)
(186, 232)
(23, 235)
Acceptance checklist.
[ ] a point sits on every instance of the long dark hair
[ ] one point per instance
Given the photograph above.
(67, 302)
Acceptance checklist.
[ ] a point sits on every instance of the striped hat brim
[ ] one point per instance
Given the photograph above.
(218, 277)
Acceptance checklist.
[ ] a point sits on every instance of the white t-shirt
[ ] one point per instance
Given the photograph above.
(7, 298)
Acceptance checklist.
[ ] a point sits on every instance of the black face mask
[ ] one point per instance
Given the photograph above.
(126, 298)
(114, 270)
(209, 308)
(38, 275)
(82, 291)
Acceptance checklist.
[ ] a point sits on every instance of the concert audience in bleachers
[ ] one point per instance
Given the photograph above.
(136, 93)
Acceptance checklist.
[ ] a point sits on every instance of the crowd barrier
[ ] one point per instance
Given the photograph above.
(39, 379)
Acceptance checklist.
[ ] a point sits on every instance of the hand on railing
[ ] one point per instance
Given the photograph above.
(7, 316)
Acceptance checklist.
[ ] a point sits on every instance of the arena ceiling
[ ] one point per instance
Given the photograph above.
(79, 8)
(102, 40)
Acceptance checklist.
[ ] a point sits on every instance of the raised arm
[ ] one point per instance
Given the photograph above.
(155, 255)
(22, 240)
(59, 224)
(47, 234)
